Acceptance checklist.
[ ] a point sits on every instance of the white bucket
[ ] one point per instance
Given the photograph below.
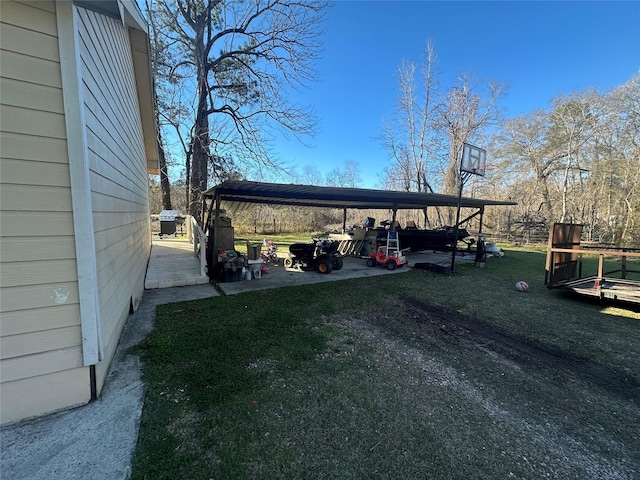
(255, 266)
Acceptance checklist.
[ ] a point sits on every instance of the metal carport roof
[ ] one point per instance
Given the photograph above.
(234, 196)
(237, 195)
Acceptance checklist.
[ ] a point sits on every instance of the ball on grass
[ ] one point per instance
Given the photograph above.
(522, 286)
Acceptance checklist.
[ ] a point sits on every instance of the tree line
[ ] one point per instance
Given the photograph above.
(578, 161)
(223, 70)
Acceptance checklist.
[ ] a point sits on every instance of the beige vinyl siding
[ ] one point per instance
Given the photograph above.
(38, 395)
(53, 272)
(37, 342)
(60, 316)
(33, 15)
(29, 42)
(39, 96)
(46, 337)
(54, 361)
(35, 149)
(49, 174)
(118, 176)
(31, 197)
(40, 337)
(15, 66)
(23, 300)
(15, 224)
(21, 249)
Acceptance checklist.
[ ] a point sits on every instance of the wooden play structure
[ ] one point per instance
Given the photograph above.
(564, 266)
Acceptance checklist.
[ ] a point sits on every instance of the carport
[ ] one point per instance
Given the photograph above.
(236, 195)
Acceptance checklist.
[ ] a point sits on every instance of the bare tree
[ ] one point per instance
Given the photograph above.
(579, 161)
(310, 175)
(627, 100)
(521, 144)
(464, 117)
(573, 125)
(615, 178)
(351, 174)
(409, 136)
(348, 177)
(234, 62)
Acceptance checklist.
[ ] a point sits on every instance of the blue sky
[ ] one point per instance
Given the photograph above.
(540, 49)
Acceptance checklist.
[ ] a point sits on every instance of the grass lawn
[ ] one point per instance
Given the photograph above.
(411, 375)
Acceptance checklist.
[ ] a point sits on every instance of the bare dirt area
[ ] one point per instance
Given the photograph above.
(546, 411)
(450, 326)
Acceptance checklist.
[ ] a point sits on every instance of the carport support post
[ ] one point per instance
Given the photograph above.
(344, 221)
(455, 229)
(216, 224)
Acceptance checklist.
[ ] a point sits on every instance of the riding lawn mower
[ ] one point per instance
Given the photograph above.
(320, 255)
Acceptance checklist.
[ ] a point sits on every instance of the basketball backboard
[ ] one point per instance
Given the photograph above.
(474, 160)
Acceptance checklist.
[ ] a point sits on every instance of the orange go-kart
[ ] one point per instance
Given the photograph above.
(392, 261)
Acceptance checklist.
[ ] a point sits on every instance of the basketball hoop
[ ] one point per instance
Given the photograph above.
(474, 160)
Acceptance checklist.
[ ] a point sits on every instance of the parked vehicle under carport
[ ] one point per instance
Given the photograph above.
(320, 255)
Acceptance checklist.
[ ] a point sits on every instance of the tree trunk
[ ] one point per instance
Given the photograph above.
(546, 197)
(199, 162)
(565, 185)
(164, 177)
(200, 140)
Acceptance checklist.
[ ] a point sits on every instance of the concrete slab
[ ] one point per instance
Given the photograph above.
(354, 267)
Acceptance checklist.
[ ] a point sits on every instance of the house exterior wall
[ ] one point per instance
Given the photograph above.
(117, 171)
(40, 334)
(44, 362)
